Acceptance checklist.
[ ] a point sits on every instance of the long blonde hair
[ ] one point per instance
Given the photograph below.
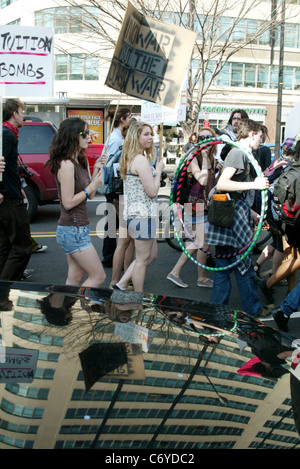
(132, 147)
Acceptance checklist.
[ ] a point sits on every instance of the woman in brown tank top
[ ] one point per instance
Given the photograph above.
(75, 185)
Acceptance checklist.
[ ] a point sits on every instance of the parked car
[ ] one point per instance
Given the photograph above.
(34, 141)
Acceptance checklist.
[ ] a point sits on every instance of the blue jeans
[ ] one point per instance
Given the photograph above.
(247, 284)
(291, 303)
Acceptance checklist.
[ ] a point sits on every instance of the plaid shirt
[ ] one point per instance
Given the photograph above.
(238, 235)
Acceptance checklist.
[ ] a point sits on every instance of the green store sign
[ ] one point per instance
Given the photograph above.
(229, 109)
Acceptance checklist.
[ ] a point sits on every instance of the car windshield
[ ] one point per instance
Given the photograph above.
(35, 138)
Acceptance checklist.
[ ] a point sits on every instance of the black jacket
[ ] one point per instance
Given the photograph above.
(10, 186)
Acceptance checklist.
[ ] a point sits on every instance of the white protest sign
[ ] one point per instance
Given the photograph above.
(135, 334)
(150, 59)
(153, 113)
(17, 365)
(26, 61)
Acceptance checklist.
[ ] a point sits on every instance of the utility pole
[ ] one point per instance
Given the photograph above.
(280, 83)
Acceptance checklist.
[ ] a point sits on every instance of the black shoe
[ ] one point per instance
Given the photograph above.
(115, 287)
(280, 319)
(268, 292)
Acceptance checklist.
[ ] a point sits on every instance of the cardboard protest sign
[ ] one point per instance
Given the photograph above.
(26, 61)
(150, 58)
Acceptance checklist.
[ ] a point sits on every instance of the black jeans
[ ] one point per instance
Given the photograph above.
(15, 240)
(109, 244)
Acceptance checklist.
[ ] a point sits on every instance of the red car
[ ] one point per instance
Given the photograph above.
(34, 140)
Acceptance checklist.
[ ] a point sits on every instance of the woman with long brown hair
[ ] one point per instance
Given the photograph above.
(75, 185)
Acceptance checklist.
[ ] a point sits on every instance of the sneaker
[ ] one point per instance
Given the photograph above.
(177, 281)
(40, 249)
(280, 319)
(27, 274)
(265, 311)
(208, 283)
(268, 292)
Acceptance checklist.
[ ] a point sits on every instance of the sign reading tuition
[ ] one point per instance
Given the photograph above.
(150, 58)
(26, 61)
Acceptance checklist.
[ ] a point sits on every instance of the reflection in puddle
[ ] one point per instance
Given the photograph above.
(128, 370)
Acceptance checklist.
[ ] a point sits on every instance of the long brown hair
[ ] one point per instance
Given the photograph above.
(65, 144)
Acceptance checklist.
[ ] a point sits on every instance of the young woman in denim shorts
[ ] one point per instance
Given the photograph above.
(141, 186)
(75, 185)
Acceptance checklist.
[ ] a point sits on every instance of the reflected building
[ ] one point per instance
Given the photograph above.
(178, 391)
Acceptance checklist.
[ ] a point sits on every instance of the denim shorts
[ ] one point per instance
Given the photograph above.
(142, 228)
(73, 238)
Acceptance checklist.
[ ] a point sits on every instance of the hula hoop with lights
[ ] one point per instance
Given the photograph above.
(247, 249)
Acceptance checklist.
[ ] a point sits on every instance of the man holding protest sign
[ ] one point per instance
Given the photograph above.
(15, 239)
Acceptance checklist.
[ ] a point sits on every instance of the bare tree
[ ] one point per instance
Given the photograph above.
(224, 28)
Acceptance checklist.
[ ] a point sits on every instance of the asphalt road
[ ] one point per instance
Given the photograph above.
(51, 266)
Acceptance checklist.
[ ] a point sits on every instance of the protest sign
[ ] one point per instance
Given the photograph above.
(17, 365)
(133, 333)
(153, 113)
(26, 61)
(150, 59)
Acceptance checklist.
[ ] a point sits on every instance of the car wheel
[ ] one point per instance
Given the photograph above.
(31, 201)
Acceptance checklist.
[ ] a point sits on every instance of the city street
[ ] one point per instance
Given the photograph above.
(51, 266)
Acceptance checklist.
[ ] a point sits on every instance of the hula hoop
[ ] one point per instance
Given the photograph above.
(206, 143)
(188, 234)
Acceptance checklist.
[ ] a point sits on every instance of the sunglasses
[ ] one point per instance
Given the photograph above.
(85, 133)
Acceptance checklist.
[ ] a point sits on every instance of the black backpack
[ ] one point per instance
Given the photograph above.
(286, 196)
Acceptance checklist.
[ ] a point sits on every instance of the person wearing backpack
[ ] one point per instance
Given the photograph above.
(290, 228)
(118, 118)
(228, 241)
(274, 170)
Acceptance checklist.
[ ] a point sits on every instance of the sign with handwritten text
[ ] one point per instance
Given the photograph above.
(17, 365)
(26, 61)
(153, 113)
(150, 58)
(133, 333)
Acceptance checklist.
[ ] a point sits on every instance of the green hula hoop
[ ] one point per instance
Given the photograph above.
(264, 198)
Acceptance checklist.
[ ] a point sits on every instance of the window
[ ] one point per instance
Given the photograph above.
(69, 19)
(262, 76)
(288, 78)
(290, 35)
(239, 31)
(236, 74)
(76, 67)
(250, 75)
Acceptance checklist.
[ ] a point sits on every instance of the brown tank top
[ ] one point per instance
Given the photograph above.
(78, 215)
